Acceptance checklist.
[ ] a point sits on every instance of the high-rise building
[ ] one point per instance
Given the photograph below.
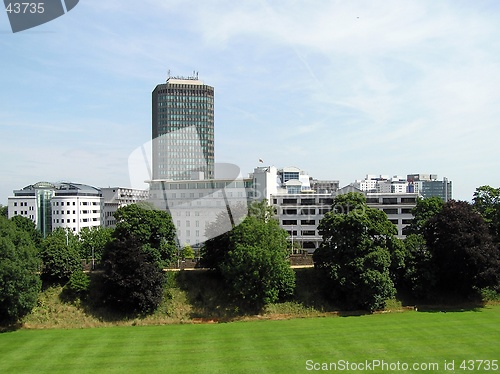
(183, 129)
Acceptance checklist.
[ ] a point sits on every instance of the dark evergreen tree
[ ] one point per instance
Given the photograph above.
(462, 249)
(132, 280)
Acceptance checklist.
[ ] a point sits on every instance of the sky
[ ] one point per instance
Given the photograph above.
(339, 89)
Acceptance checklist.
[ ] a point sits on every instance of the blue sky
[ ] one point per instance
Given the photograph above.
(340, 89)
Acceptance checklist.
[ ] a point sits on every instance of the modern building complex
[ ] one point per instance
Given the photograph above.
(299, 200)
(53, 205)
(426, 185)
(182, 129)
(194, 204)
(70, 206)
(203, 204)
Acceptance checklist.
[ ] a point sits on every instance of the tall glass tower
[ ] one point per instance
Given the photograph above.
(183, 129)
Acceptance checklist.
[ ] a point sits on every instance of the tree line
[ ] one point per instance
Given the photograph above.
(451, 249)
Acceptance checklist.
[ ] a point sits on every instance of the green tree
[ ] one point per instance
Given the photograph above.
(358, 252)
(256, 269)
(420, 275)
(261, 210)
(486, 201)
(60, 255)
(4, 211)
(132, 280)
(462, 250)
(423, 211)
(77, 286)
(187, 252)
(19, 282)
(93, 240)
(154, 229)
(28, 226)
(215, 248)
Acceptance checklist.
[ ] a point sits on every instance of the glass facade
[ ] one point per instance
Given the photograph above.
(43, 197)
(183, 129)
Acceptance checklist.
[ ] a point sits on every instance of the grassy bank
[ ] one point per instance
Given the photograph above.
(191, 297)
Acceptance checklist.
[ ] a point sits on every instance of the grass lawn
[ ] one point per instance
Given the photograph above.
(262, 346)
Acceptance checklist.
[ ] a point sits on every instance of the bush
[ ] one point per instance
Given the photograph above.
(77, 286)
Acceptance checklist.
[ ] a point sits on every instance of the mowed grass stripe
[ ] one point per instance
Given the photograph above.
(255, 347)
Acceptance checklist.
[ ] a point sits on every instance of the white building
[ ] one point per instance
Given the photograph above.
(117, 197)
(53, 205)
(71, 205)
(193, 204)
(300, 202)
(382, 184)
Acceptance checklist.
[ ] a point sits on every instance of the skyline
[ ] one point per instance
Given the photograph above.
(338, 89)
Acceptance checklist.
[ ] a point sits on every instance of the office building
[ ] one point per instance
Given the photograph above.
(182, 129)
(52, 205)
(193, 204)
(428, 185)
(118, 197)
(381, 184)
(71, 206)
(299, 200)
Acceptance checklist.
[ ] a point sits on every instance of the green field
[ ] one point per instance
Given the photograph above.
(284, 346)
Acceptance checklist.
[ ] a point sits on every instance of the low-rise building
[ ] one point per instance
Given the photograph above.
(118, 197)
(70, 205)
(53, 205)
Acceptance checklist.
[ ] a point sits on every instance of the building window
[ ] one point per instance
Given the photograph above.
(308, 232)
(307, 202)
(410, 200)
(390, 200)
(390, 211)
